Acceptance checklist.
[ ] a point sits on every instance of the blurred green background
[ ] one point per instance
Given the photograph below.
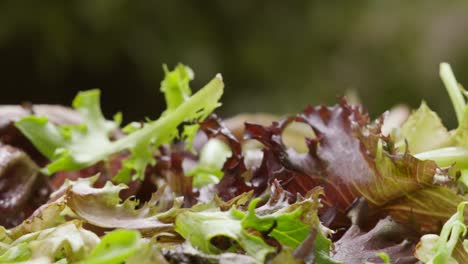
(275, 56)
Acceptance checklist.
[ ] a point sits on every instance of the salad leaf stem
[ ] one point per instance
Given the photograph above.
(446, 156)
(451, 84)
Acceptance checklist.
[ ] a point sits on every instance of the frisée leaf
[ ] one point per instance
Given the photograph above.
(79, 146)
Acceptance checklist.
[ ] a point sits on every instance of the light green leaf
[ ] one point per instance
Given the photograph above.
(114, 248)
(212, 157)
(439, 249)
(148, 253)
(69, 241)
(79, 146)
(175, 86)
(17, 253)
(288, 224)
(285, 226)
(422, 131)
(201, 227)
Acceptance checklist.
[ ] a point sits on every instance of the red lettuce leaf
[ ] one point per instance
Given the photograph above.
(22, 187)
(349, 158)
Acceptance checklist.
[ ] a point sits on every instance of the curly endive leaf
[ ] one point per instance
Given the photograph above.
(79, 146)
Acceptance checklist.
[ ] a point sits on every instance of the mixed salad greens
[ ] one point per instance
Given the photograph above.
(328, 185)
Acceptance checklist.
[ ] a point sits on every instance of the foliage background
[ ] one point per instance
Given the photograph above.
(275, 56)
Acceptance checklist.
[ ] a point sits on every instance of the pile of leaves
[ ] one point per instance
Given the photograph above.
(328, 185)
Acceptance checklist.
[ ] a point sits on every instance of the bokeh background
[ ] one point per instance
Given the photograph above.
(276, 56)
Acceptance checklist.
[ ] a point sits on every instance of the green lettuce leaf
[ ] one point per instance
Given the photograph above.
(148, 253)
(200, 228)
(16, 253)
(315, 249)
(212, 157)
(68, 241)
(422, 131)
(103, 207)
(446, 248)
(114, 248)
(175, 86)
(288, 224)
(46, 216)
(79, 146)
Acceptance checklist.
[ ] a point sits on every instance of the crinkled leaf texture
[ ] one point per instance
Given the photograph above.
(201, 228)
(69, 241)
(287, 224)
(349, 158)
(78, 146)
(103, 207)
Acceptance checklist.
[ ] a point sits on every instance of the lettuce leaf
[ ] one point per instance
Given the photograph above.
(22, 187)
(213, 155)
(79, 146)
(69, 240)
(422, 131)
(114, 248)
(287, 224)
(448, 247)
(349, 158)
(103, 207)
